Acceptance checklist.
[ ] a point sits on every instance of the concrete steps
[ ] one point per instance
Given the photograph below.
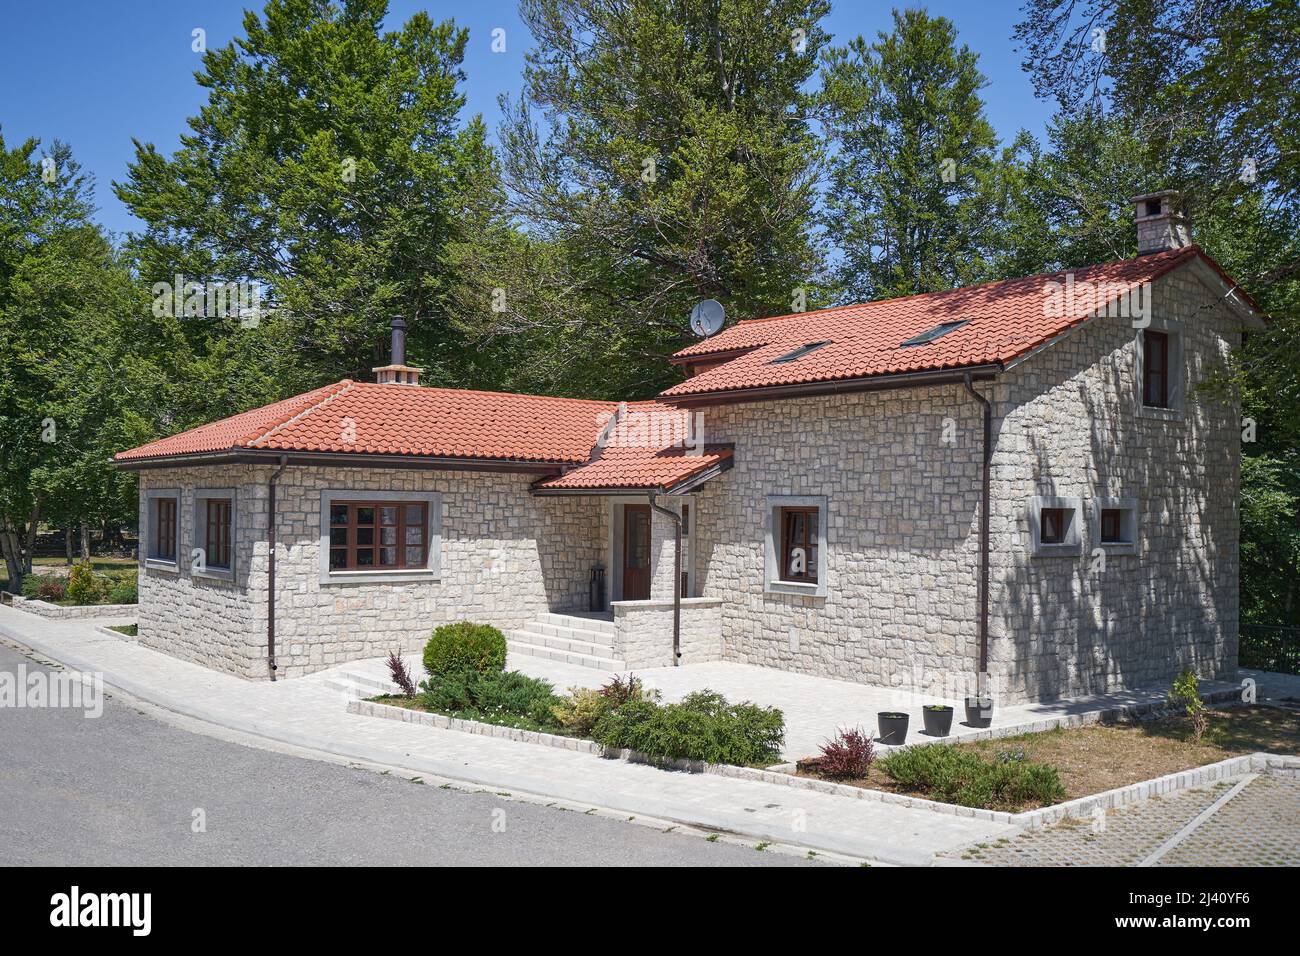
(569, 638)
(359, 686)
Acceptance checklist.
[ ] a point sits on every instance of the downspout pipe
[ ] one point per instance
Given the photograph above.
(985, 495)
(270, 563)
(677, 575)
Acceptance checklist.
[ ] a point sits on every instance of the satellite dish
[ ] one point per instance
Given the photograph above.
(707, 318)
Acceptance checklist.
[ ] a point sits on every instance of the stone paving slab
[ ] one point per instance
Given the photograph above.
(306, 713)
(1259, 826)
(814, 707)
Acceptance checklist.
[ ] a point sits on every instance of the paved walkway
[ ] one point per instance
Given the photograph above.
(305, 713)
(1252, 820)
(814, 707)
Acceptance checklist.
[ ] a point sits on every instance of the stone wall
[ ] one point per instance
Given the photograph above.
(901, 474)
(507, 556)
(1068, 426)
(215, 623)
(645, 632)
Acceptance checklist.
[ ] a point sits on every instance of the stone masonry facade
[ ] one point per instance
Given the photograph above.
(900, 474)
(507, 556)
(897, 474)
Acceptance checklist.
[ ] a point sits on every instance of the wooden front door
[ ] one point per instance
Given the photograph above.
(636, 552)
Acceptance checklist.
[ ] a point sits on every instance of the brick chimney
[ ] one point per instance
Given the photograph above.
(1160, 222)
(398, 373)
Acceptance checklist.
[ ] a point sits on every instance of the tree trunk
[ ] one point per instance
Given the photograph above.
(68, 532)
(12, 554)
(85, 540)
(33, 525)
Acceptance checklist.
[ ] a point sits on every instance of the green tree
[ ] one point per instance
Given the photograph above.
(328, 166)
(1201, 98)
(911, 179)
(65, 307)
(672, 161)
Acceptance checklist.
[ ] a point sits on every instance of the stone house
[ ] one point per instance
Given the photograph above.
(1016, 486)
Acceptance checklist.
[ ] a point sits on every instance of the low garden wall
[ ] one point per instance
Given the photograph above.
(645, 632)
(73, 612)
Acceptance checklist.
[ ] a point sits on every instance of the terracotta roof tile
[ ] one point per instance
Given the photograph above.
(1004, 320)
(628, 468)
(359, 417)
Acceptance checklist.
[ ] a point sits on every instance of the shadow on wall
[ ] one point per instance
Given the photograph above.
(1071, 626)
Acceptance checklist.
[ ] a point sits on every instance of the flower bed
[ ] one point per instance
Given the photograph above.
(467, 681)
(1085, 760)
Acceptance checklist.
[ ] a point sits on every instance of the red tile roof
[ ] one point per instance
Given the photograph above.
(234, 432)
(639, 468)
(654, 444)
(360, 417)
(1004, 320)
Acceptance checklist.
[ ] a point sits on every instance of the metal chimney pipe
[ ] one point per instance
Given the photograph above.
(399, 341)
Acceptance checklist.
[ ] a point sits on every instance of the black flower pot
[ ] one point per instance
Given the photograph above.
(979, 711)
(893, 726)
(938, 720)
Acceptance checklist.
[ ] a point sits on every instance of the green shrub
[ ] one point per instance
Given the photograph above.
(85, 586)
(703, 726)
(579, 712)
(1185, 694)
(465, 646)
(951, 774)
(44, 587)
(472, 694)
(513, 693)
(124, 593)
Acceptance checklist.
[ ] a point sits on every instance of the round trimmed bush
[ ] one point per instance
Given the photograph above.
(465, 646)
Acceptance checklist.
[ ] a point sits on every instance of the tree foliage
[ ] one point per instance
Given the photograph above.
(911, 179)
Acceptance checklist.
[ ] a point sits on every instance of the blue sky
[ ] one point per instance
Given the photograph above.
(96, 73)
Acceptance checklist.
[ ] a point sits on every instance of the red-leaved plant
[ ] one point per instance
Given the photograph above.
(848, 755)
(401, 675)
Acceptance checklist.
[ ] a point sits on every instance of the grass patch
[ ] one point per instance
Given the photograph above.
(130, 630)
(1102, 757)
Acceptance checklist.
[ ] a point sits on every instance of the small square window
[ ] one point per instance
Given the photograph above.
(1054, 525)
(1115, 525)
(1112, 526)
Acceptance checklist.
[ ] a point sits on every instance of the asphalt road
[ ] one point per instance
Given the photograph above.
(127, 789)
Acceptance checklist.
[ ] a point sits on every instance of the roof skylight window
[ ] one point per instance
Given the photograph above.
(929, 335)
(800, 352)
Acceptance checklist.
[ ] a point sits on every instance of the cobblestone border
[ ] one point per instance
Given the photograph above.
(370, 708)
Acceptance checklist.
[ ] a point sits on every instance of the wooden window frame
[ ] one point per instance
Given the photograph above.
(352, 550)
(219, 528)
(215, 536)
(1055, 525)
(776, 580)
(163, 539)
(1070, 539)
(399, 572)
(1156, 385)
(1129, 513)
(1111, 526)
(808, 541)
